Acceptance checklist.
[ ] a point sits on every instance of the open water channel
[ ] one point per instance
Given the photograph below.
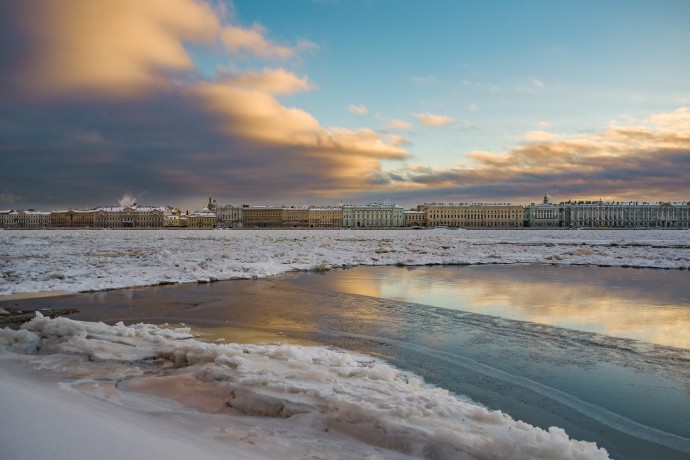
(602, 352)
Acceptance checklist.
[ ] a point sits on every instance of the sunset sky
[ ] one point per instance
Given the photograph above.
(321, 102)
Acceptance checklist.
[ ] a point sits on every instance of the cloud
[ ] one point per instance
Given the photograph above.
(152, 123)
(646, 159)
(273, 81)
(473, 107)
(113, 47)
(133, 113)
(260, 117)
(537, 136)
(8, 199)
(252, 40)
(398, 125)
(430, 119)
(358, 109)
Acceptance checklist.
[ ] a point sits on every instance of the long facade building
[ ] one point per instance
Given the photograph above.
(478, 215)
(373, 216)
(599, 214)
(24, 219)
(325, 217)
(571, 214)
(262, 217)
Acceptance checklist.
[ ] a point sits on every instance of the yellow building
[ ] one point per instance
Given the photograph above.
(326, 217)
(73, 219)
(202, 219)
(174, 221)
(415, 218)
(296, 217)
(262, 216)
(478, 215)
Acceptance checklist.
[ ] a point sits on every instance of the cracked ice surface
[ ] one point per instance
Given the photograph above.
(85, 260)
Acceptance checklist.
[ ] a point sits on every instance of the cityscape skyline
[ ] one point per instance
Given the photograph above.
(342, 102)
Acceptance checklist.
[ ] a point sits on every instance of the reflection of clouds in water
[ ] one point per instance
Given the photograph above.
(648, 305)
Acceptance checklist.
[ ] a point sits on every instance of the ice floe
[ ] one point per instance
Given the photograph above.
(93, 260)
(353, 405)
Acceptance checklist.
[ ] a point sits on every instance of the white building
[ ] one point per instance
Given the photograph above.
(543, 215)
(374, 215)
(632, 214)
(9, 219)
(33, 219)
(229, 216)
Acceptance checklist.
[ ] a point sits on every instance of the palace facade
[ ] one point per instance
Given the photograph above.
(570, 214)
(373, 216)
(478, 215)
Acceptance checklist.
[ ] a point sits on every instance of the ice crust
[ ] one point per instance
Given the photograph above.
(94, 260)
(330, 393)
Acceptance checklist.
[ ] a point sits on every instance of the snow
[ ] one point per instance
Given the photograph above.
(143, 391)
(93, 260)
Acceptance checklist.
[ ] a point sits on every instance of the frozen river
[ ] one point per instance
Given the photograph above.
(600, 352)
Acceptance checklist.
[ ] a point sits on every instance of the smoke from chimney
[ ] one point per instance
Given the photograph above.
(127, 200)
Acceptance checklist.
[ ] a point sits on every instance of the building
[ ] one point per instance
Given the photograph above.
(175, 221)
(73, 218)
(33, 219)
(325, 217)
(129, 217)
(212, 206)
(9, 219)
(415, 218)
(543, 215)
(632, 214)
(478, 215)
(374, 215)
(262, 216)
(295, 217)
(229, 216)
(202, 219)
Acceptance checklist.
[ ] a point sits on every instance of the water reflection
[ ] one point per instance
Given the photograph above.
(648, 305)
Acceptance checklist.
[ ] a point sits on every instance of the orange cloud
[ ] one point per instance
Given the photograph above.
(257, 115)
(634, 159)
(273, 81)
(252, 40)
(431, 119)
(112, 46)
(399, 125)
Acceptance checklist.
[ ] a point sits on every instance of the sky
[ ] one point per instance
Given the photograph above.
(317, 102)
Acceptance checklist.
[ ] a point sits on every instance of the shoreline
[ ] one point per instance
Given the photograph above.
(35, 295)
(60, 293)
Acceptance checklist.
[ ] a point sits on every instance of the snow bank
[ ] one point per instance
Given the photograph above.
(335, 394)
(90, 260)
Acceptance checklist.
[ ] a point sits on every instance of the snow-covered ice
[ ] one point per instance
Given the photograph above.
(252, 401)
(249, 401)
(93, 260)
